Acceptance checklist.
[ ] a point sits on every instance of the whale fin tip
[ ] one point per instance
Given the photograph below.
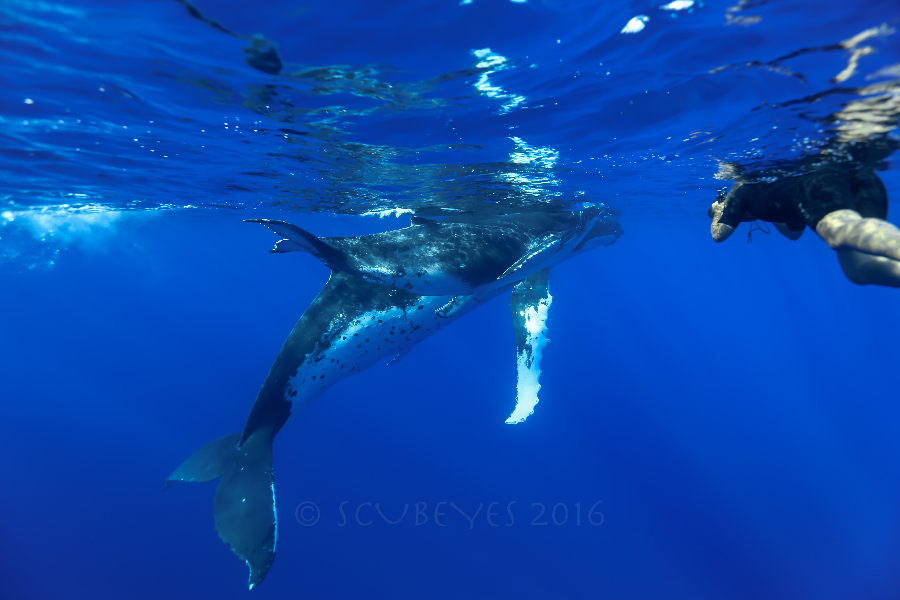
(296, 238)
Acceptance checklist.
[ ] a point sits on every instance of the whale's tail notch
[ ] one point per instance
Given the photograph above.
(244, 504)
(296, 238)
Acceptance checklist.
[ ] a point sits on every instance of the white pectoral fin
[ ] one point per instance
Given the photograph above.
(529, 305)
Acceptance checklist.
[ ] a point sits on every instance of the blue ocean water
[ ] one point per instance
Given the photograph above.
(715, 420)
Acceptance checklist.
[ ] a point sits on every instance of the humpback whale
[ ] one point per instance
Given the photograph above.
(355, 323)
(458, 255)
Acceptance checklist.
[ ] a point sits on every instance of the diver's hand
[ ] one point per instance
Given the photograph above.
(847, 230)
(720, 231)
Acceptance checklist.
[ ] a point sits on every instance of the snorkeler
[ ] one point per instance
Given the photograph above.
(846, 204)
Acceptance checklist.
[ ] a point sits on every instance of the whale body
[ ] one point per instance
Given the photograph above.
(351, 325)
(458, 255)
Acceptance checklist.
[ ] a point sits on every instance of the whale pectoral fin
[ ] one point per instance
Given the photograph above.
(300, 239)
(544, 248)
(529, 305)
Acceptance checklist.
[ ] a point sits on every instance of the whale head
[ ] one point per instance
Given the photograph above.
(605, 231)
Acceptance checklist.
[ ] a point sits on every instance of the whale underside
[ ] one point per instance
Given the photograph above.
(353, 324)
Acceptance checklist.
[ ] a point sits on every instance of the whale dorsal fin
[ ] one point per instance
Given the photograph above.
(422, 221)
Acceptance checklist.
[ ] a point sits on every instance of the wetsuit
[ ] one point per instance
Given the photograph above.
(805, 199)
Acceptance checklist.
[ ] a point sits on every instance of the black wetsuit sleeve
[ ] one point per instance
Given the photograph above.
(822, 192)
(870, 195)
(772, 202)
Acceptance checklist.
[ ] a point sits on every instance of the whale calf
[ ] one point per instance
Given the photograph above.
(458, 255)
(353, 324)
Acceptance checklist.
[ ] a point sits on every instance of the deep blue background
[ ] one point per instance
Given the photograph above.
(733, 406)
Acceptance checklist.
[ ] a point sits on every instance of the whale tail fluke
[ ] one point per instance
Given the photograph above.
(244, 505)
(296, 238)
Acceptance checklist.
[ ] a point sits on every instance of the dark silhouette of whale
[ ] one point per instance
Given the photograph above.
(353, 324)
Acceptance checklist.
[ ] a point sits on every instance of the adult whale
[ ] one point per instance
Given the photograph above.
(351, 325)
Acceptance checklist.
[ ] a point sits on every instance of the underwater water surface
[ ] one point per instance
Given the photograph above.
(715, 420)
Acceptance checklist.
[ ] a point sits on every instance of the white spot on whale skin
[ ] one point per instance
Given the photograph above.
(529, 364)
